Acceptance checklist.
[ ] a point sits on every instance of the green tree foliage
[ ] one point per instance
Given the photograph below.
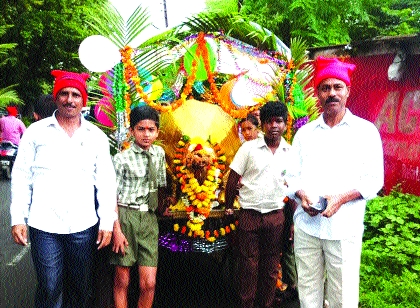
(332, 22)
(224, 7)
(48, 34)
(7, 94)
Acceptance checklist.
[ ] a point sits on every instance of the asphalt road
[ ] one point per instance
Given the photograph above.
(17, 277)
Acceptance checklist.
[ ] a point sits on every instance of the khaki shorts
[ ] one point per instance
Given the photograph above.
(141, 230)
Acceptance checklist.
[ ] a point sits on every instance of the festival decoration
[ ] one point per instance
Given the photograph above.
(197, 51)
(199, 168)
(103, 111)
(210, 81)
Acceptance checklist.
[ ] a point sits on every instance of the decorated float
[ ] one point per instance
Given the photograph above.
(202, 83)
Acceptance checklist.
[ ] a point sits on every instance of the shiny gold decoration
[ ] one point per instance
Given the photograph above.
(199, 120)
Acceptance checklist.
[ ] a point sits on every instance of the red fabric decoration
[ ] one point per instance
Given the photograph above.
(332, 68)
(64, 79)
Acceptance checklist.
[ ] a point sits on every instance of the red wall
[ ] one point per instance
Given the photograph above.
(394, 107)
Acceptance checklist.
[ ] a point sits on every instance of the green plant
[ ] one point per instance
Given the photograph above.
(390, 268)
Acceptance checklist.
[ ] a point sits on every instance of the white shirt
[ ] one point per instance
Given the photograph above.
(54, 176)
(329, 161)
(263, 175)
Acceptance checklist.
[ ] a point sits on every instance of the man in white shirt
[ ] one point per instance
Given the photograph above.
(339, 157)
(261, 164)
(61, 160)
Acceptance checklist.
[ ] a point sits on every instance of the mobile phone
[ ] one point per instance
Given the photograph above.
(321, 205)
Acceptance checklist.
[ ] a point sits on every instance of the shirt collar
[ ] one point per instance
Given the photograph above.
(347, 119)
(52, 120)
(283, 143)
(138, 149)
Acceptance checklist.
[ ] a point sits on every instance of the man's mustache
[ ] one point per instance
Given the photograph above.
(332, 99)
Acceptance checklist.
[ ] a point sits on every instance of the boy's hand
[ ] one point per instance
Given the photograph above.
(119, 242)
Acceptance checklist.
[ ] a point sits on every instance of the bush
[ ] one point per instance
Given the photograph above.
(390, 268)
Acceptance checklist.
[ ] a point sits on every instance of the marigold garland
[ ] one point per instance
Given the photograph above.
(197, 198)
(209, 235)
(131, 74)
(127, 73)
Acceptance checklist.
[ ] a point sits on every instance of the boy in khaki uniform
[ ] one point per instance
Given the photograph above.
(141, 178)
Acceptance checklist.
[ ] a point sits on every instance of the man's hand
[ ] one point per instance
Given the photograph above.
(306, 203)
(20, 234)
(336, 201)
(334, 204)
(119, 242)
(104, 238)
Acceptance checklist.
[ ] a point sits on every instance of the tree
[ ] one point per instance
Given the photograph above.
(48, 34)
(8, 94)
(333, 22)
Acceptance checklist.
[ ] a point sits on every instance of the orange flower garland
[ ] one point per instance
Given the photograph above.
(209, 235)
(197, 198)
(131, 74)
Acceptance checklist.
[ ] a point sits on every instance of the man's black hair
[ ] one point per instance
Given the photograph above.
(141, 113)
(45, 106)
(273, 109)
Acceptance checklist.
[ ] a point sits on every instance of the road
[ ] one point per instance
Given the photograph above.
(17, 276)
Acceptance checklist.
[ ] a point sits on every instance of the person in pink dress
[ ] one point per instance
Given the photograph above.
(11, 128)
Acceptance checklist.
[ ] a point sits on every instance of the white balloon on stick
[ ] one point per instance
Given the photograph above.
(98, 54)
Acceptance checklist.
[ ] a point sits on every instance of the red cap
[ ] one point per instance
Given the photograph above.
(332, 68)
(12, 110)
(64, 79)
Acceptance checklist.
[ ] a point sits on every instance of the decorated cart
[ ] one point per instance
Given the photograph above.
(202, 83)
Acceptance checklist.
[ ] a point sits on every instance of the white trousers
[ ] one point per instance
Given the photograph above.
(327, 265)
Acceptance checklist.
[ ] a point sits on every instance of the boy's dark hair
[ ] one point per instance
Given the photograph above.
(251, 118)
(141, 113)
(45, 106)
(273, 109)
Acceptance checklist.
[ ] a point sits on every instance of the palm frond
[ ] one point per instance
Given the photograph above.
(9, 95)
(137, 23)
(233, 24)
(299, 51)
(107, 21)
(151, 59)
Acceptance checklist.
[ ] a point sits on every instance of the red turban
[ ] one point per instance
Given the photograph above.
(332, 68)
(12, 111)
(65, 79)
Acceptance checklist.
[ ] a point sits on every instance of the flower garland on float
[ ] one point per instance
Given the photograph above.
(130, 74)
(199, 191)
(126, 75)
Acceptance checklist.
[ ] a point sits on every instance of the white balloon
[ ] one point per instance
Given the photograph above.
(98, 54)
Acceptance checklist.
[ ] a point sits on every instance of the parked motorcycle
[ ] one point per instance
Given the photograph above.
(8, 152)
